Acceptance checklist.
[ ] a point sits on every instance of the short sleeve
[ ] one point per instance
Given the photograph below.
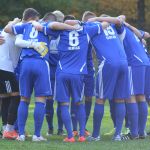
(48, 31)
(18, 29)
(93, 29)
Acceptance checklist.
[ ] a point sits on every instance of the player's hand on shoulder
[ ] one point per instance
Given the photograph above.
(37, 25)
(105, 24)
(16, 20)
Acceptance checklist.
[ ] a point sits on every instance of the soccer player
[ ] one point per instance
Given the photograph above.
(112, 78)
(35, 77)
(53, 61)
(73, 47)
(9, 88)
(88, 83)
(137, 61)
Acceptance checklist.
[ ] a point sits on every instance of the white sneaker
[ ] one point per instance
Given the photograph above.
(38, 139)
(21, 138)
(116, 138)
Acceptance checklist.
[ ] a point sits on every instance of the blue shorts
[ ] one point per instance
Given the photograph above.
(147, 82)
(89, 82)
(52, 77)
(69, 86)
(137, 79)
(112, 81)
(34, 74)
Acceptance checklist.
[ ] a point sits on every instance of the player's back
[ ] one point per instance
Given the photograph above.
(73, 47)
(31, 34)
(134, 49)
(108, 46)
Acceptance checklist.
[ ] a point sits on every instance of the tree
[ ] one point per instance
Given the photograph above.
(141, 13)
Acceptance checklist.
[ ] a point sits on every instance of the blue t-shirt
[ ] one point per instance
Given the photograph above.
(31, 34)
(134, 49)
(108, 46)
(54, 53)
(73, 49)
(90, 65)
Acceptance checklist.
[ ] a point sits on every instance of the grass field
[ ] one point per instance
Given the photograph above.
(55, 142)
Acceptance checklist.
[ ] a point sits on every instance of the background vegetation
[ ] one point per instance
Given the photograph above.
(137, 11)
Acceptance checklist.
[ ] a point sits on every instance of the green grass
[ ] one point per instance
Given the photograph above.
(55, 142)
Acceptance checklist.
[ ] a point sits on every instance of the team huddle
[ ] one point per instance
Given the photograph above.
(53, 57)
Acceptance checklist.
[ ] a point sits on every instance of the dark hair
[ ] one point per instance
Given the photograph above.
(49, 17)
(69, 17)
(30, 13)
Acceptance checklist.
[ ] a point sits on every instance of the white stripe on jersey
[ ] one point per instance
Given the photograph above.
(137, 58)
(60, 65)
(99, 30)
(130, 80)
(48, 68)
(122, 36)
(82, 67)
(82, 93)
(45, 31)
(101, 93)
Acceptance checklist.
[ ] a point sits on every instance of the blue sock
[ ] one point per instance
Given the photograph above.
(81, 118)
(119, 115)
(97, 118)
(132, 113)
(74, 115)
(127, 124)
(112, 111)
(88, 106)
(59, 118)
(143, 113)
(66, 119)
(22, 116)
(39, 112)
(16, 125)
(49, 113)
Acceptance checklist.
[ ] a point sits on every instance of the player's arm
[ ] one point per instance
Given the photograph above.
(115, 20)
(140, 34)
(22, 43)
(54, 26)
(8, 28)
(61, 26)
(40, 47)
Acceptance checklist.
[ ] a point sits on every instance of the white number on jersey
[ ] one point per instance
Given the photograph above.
(109, 33)
(73, 38)
(33, 33)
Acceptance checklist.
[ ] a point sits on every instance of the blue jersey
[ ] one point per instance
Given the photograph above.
(134, 49)
(73, 48)
(54, 53)
(90, 65)
(108, 46)
(31, 34)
